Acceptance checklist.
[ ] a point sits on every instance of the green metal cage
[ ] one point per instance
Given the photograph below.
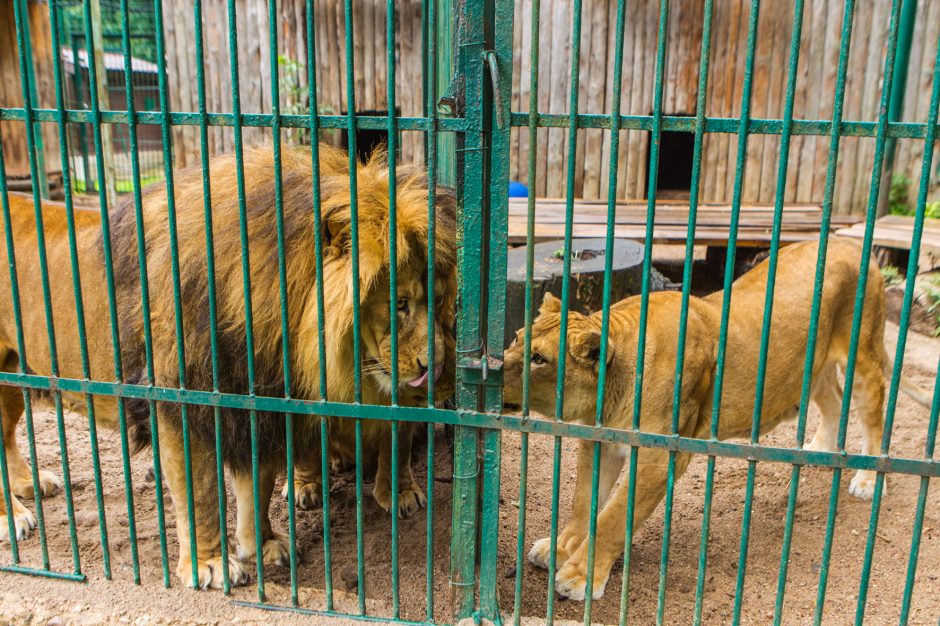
(467, 52)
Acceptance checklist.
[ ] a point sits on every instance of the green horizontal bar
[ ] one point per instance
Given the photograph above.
(255, 120)
(29, 571)
(907, 130)
(336, 614)
(724, 125)
(755, 452)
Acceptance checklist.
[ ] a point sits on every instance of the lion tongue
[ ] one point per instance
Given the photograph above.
(420, 380)
(423, 378)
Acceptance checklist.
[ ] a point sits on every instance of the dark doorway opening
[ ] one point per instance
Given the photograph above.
(676, 151)
(368, 139)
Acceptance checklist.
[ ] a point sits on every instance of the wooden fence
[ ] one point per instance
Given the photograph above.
(813, 98)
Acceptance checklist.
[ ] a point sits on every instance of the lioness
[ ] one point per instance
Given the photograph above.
(788, 339)
(231, 343)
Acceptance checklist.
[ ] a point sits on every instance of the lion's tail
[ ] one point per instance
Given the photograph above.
(913, 390)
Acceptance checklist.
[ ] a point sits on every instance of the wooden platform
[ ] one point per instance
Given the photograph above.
(897, 231)
(800, 221)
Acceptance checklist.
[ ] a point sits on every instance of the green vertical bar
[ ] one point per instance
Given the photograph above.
(24, 56)
(499, 37)
(393, 285)
(700, 109)
(76, 280)
(930, 137)
(918, 528)
(174, 262)
(532, 125)
(34, 129)
(445, 60)
(246, 277)
(769, 299)
(144, 280)
(902, 62)
(429, 16)
(741, 158)
(655, 137)
(83, 147)
(880, 139)
(357, 332)
(18, 318)
(565, 291)
(834, 142)
(471, 194)
(616, 100)
(210, 278)
(282, 297)
(321, 313)
(112, 304)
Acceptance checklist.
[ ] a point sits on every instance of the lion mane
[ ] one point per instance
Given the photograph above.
(298, 231)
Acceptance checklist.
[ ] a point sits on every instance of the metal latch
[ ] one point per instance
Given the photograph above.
(481, 370)
(491, 61)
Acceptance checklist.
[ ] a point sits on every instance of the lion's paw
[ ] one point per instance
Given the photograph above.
(306, 495)
(209, 572)
(540, 552)
(49, 484)
(863, 485)
(274, 551)
(571, 582)
(23, 524)
(410, 500)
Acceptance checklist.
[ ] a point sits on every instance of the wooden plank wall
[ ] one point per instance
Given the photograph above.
(254, 63)
(815, 86)
(13, 134)
(819, 52)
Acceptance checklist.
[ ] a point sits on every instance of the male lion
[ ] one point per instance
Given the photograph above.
(788, 339)
(193, 369)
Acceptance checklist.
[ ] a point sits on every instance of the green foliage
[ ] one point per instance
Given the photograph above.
(932, 210)
(295, 96)
(899, 195)
(892, 275)
(931, 288)
(141, 19)
(899, 199)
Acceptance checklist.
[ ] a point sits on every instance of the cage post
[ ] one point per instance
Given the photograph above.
(470, 207)
(898, 88)
(35, 128)
(101, 86)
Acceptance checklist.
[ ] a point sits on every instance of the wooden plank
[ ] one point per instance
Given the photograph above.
(547, 37)
(828, 52)
(713, 220)
(523, 18)
(604, 159)
(712, 237)
(897, 232)
(597, 88)
(558, 97)
(583, 67)
(520, 80)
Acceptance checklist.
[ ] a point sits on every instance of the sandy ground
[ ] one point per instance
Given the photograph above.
(30, 600)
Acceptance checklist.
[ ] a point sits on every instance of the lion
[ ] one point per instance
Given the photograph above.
(184, 229)
(781, 401)
(376, 441)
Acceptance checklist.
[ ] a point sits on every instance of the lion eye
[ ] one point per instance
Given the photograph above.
(538, 359)
(403, 305)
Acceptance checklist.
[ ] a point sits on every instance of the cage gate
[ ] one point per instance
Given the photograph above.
(469, 69)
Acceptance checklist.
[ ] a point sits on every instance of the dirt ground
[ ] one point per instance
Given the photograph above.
(31, 600)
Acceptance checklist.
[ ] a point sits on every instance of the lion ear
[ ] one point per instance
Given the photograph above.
(586, 347)
(336, 229)
(550, 304)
